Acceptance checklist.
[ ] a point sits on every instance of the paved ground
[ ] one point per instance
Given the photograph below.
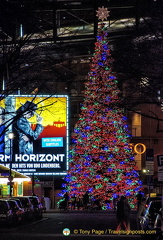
(75, 225)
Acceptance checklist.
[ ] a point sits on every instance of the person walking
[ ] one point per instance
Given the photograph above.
(73, 202)
(115, 200)
(66, 201)
(127, 211)
(139, 198)
(141, 213)
(122, 214)
(85, 200)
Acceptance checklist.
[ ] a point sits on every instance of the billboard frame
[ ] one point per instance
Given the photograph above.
(35, 97)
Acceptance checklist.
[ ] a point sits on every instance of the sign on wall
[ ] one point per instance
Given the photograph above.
(40, 128)
(160, 167)
(149, 163)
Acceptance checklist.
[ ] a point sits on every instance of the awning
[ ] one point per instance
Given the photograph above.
(4, 175)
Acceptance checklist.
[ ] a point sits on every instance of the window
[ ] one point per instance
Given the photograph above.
(136, 125)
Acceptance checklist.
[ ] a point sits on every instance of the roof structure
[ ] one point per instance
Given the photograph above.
(4, 172)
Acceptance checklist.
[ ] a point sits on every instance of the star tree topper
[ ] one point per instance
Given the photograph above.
(102, 13)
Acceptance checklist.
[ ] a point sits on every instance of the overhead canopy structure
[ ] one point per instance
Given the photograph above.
(17, 177)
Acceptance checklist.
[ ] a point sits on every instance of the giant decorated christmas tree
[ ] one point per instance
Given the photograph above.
(101, 159)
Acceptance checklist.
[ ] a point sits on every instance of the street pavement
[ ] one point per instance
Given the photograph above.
(75, 225)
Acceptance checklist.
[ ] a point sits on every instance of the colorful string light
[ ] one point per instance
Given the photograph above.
(101, 160)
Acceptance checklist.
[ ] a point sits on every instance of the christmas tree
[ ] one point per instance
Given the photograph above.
(101, 159)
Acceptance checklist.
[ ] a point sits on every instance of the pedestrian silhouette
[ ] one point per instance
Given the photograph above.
(85, 200)
(122, 214)
(141, 213)
(139, 199)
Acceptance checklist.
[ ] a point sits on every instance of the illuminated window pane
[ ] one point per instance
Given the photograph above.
(138, 158)
(136, 125)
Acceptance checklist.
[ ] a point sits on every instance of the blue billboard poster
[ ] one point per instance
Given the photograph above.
(34, 134)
